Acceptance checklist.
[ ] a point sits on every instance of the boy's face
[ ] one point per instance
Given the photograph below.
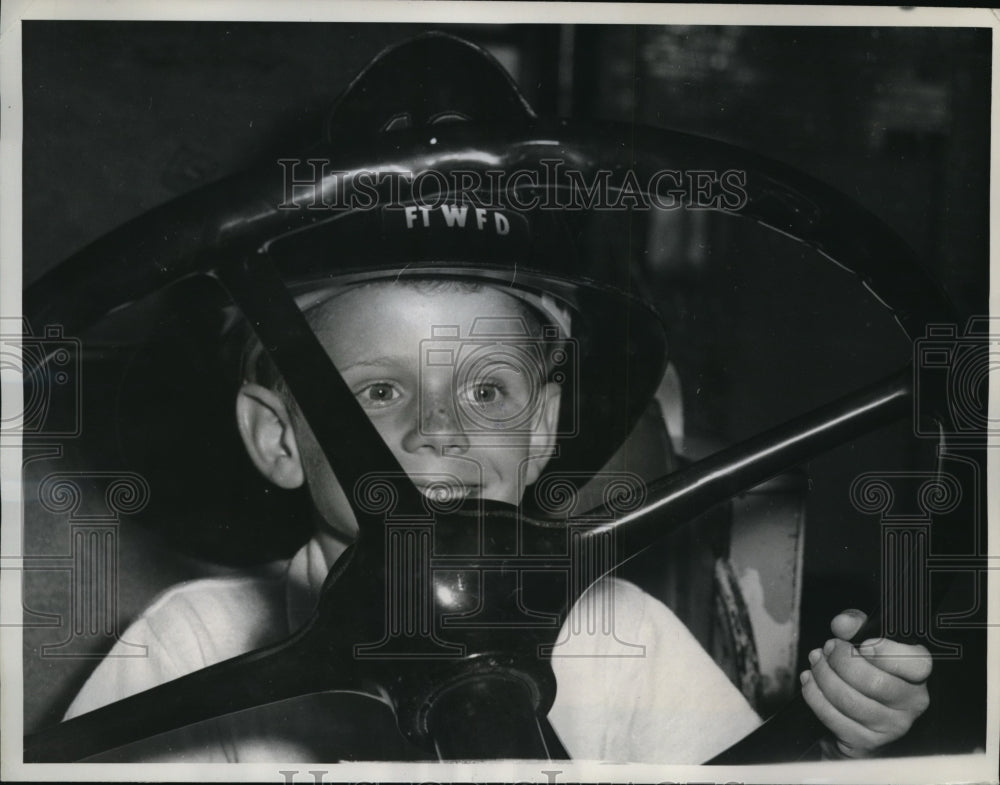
(430, 417)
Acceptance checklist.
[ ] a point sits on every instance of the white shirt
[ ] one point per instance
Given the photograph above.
(633, 683)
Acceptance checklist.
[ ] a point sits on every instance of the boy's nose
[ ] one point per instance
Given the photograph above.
(439, 429)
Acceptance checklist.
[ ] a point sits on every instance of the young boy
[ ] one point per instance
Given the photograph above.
(672, 705)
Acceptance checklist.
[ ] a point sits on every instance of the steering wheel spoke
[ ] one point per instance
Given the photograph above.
(328, 404)
(286, 670)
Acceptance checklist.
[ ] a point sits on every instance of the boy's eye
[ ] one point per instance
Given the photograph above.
(484, 394)
(378, 394)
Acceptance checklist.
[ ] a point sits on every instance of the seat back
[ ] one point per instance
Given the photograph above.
(734, 577)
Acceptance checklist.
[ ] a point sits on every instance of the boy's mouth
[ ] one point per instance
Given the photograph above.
(445, 493)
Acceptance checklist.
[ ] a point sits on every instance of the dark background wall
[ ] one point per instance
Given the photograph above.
(122, 117)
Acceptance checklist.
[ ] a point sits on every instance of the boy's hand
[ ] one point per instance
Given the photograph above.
(867, 695)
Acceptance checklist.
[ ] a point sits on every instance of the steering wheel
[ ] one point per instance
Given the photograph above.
(471, 680)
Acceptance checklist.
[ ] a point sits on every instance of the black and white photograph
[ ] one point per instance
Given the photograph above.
(551, 392)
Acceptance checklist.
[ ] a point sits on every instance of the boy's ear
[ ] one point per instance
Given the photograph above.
(543, 438)
(266, 429)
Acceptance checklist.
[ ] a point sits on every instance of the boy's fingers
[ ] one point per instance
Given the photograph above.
(874, 714)
(874, 682)
(910, 663)
(845, 625)
(853, 738)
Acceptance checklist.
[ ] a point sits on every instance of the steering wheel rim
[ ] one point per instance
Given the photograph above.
(193, 233)
(783, 200)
